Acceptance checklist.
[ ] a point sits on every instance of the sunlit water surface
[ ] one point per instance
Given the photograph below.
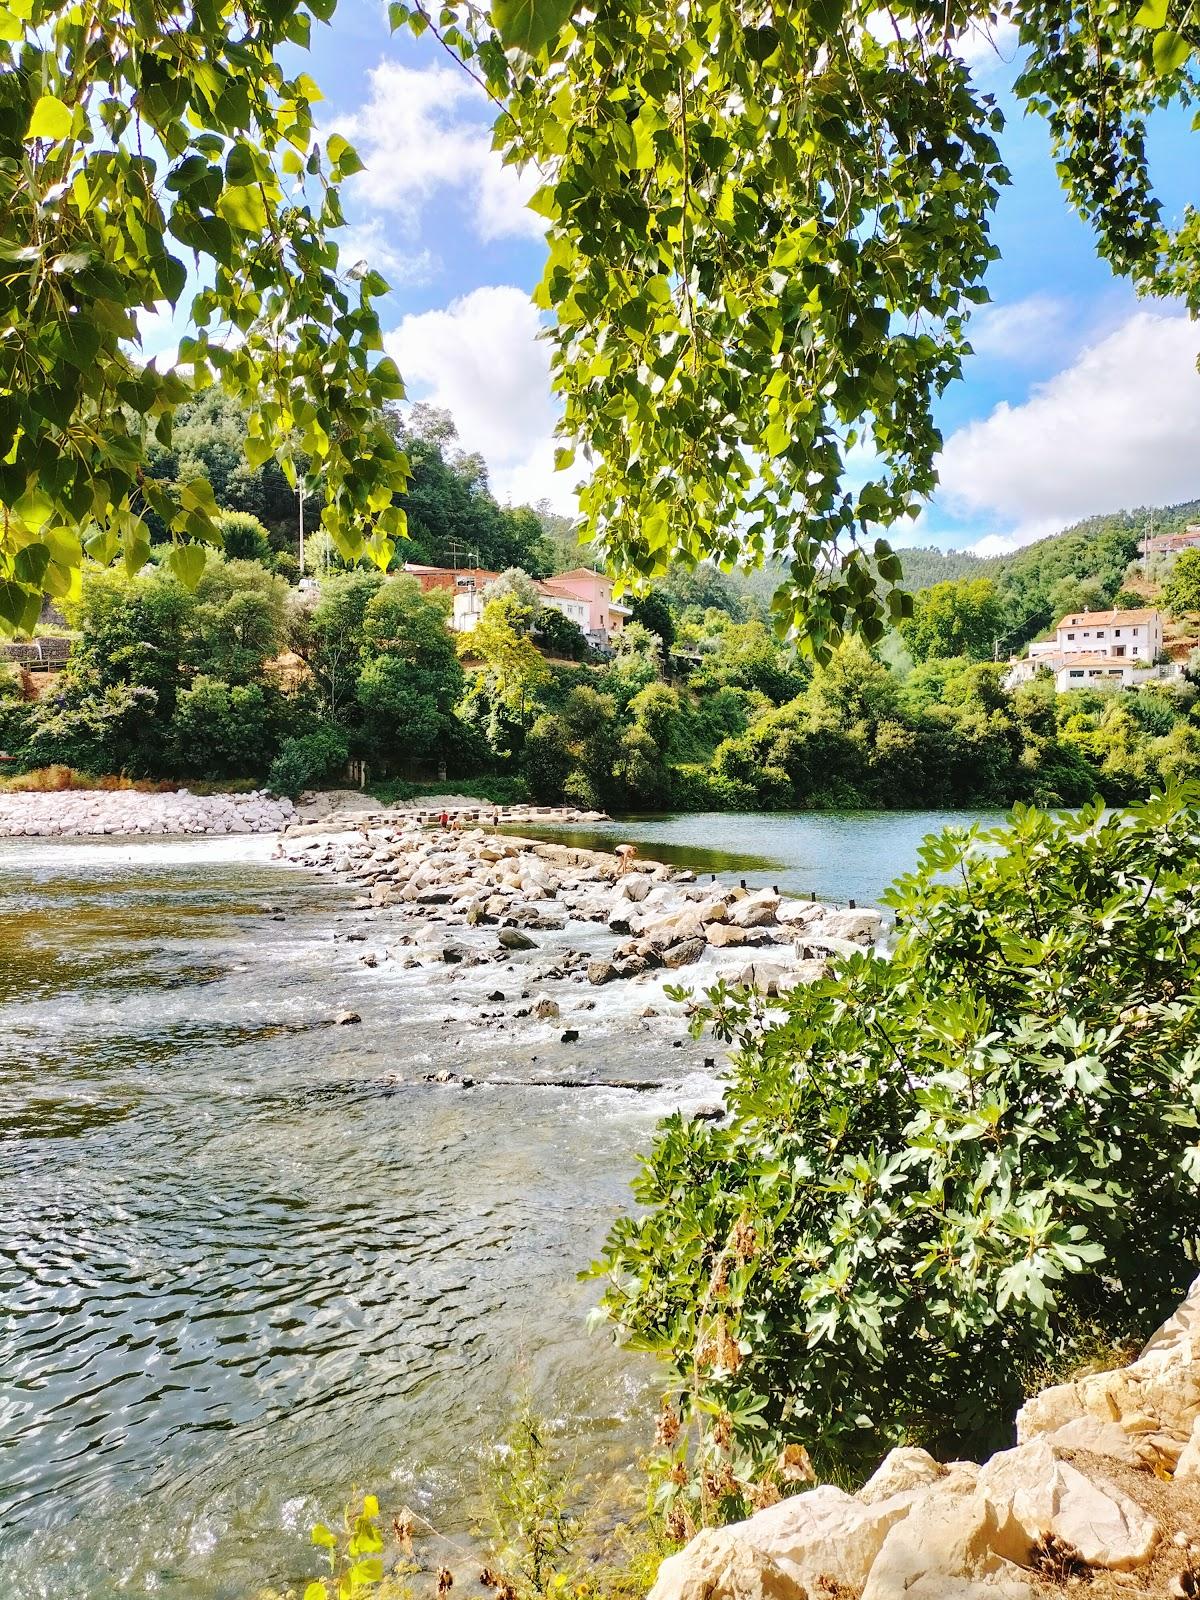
(243, 1270)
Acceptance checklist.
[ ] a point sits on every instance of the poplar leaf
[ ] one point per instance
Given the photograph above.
(51, 119)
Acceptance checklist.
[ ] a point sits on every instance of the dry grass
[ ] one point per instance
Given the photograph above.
(1176, 1509)
(57, 778)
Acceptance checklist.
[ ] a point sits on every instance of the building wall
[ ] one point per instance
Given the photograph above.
(1139, 641)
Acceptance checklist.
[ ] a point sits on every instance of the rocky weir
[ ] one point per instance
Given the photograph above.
(454, 898)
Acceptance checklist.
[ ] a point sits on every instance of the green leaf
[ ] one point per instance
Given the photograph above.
(323, 1537)
(13, 601)
(244, 208)
(1171, 51)
(31, 563)
(530, 25)
(186, 562)
(1152, 15)
(51, 119)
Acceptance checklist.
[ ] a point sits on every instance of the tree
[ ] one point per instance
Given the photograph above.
(1182, 589)
(919, 1156)
(243, 537)
(767, 231)
(141, 149)
(501, 641)
(959, 618)
(411, 679)
(653, 611)
(558, 635)
(517, 582)
(331, 639)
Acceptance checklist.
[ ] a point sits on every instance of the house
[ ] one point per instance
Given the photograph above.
(469, 603)
(605, 617)
(1120, 635)
(454, 579)
(1168, 544)
(1090, 648)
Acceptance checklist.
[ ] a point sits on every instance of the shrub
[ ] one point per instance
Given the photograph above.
(308, 759)
(219, 730)
(942, 1170)
(244, 538)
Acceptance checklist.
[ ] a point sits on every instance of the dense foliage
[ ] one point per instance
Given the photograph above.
(148, 154)
(701, 706)
(942, 1170)
(718, 371)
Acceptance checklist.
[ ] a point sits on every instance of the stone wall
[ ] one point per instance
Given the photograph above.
(1102, 1490)
(84, 813)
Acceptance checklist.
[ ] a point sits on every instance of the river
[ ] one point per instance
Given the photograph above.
(242, 1270)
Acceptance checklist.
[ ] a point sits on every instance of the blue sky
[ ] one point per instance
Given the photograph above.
(1080, 398)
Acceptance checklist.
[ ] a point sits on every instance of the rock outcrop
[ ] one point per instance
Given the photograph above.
(1105, 1479)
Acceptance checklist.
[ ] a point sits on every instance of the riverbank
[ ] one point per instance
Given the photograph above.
(91, 813)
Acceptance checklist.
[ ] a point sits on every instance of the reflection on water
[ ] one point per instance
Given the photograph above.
(242, 1270)
(250, 1261)
(838, 856)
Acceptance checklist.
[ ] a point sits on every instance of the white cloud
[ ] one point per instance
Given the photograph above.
(1117, 427)
(482, 360)
(985, 46)
(366, 241)
(424, 130)
(1021, 331)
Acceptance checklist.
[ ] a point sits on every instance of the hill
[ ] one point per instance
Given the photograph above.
(1084, 566)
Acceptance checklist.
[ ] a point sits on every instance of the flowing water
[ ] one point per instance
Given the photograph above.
(250, 1261)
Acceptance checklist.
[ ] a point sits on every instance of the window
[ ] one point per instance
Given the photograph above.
(1076, 672)
(1116, 633)
(1070, 636)
(1099, 633)
(1135, 650)
(1136, 631)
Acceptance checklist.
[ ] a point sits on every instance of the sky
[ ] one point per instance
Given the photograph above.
(1079, 399)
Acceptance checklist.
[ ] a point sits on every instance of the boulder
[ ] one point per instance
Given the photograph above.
(685, 952)
(718, 1563)
(901, 1470)
(544, 1008)
(346, 1019)
(1153, 1450)
(635, 887)
(951, 1546)
(723, 935)
(1158, 1393)
(825, 1535)
(768, 976)
(514, 939)
(757, 912)
(1045, 1495)
(601, 972)
(1188, 1466)
(861, 925)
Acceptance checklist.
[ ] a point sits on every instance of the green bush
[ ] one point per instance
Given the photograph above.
(220, 730)
(308, 759)
(942, 1171)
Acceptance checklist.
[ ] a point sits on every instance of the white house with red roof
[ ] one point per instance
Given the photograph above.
(1093, 648)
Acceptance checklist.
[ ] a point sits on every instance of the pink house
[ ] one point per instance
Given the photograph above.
(604, 615)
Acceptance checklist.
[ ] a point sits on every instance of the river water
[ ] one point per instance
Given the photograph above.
(244, 1270)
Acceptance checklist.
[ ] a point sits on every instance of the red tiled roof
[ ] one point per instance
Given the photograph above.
(1087, 619)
